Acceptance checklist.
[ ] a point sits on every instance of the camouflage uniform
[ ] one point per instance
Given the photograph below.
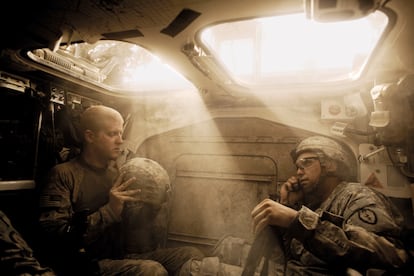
(74, 188)
(16, 256)
(356, 227)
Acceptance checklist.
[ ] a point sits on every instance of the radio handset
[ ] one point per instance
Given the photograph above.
(297, 186)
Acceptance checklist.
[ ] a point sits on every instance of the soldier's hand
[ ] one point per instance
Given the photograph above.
(120, 193)
(291, 192)
(270, 212)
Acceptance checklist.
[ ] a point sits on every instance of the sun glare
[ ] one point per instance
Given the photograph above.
(286, 49)
(291, 48)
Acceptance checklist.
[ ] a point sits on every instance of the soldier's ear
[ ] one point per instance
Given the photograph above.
(89, 135)
(330, 166)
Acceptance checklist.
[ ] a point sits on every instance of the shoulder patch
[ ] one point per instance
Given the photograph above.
(367, 216)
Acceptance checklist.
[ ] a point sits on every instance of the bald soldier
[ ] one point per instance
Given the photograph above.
(82, 205)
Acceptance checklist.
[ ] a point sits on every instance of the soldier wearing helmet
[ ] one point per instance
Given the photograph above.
(332, 226)
(327, 149)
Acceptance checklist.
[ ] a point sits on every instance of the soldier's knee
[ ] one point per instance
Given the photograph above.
(192, 253)
(133, 267)
(148, 267)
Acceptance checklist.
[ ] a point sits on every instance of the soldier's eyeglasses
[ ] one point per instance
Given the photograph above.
(306, 162)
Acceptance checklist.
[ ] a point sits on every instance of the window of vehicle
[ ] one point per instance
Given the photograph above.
(119, 67)
(290, 49)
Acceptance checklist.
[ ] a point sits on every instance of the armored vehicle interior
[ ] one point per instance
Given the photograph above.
(217, 92)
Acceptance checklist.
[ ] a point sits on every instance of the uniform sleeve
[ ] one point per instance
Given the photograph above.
(99, 221)
(57, 217)
(366, 239)
(55, 202)
(15, 254)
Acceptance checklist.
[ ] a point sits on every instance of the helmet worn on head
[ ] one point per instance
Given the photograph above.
(329, 148)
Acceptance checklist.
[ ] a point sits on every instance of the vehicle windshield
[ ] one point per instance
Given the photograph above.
(291, 49)
(287, 49)
(117, 66)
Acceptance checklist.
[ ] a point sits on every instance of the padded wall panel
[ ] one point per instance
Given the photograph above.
(215, 194)
(220, 169)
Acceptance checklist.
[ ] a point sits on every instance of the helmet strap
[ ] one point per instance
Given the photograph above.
(329, 167)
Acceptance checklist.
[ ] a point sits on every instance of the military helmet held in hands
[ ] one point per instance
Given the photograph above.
(145, 221)
(151, 178)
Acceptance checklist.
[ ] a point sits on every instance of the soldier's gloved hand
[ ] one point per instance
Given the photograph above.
(120, 193)
(291, 193)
